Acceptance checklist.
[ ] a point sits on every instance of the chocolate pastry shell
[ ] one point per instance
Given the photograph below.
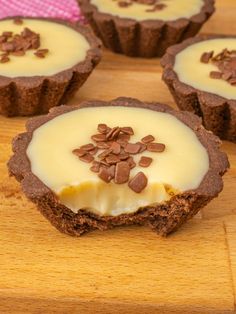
(147, 39)
(25, 96)
(163, 218)
(218, 113)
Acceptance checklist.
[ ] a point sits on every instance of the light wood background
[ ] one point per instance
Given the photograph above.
(126, 270)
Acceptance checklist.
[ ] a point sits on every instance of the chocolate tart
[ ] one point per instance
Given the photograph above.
(147, 38)
(215, 102)
(164, 217)
(23, 94)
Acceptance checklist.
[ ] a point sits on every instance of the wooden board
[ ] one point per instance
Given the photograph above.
(126, 270)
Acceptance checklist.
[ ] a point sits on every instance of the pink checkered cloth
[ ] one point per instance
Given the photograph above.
(62, 9)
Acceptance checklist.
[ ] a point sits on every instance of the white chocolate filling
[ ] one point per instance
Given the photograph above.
(182, 165)
(193, 72)
(67, 47)
(174, 9)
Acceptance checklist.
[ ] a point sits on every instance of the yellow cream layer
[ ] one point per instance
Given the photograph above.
(174, 9)
(196, 74)
(182, 165)
(66, 47)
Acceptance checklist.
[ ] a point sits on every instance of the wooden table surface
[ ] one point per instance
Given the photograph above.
(126, 270)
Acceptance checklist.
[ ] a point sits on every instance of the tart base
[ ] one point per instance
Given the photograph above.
(145, 39)
(163, 218)
(218, 113)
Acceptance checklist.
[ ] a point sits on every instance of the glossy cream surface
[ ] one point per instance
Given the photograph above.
(181, 166)
(174, 9)
(193, 72)
(66, 47)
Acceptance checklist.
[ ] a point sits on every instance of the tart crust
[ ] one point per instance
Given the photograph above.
(218, 113)
(25, 96)
(162, 218)
(149, 38)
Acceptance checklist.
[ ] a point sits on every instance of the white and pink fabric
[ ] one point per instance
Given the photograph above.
(61, 9)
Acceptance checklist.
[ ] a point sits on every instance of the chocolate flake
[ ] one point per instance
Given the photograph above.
(99, 137)
(113, 133)
(18, 21)
(215, 75)
(147, 139)
(127, 130)
(124, 4)
(112, 159)
(105, 174)
(132, 148)
(105, 153)
(206, 56)
(124, 156)
(138, 182)
(86, 158)
(87, 147)
(143, 147)
(95, 166)
(156, 147)
(79, 152)
(122, 172)
(115, 147)
(102, 128)
(102, 145)
(4, 59)
(145, 161)
(131, 162)
(41, 53)
(155, 5)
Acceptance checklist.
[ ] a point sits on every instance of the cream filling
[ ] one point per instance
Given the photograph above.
(196, 74)
(181, 166)
(174, 9)
(67, 47)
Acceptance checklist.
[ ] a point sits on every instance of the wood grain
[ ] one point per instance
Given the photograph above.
(126, 270)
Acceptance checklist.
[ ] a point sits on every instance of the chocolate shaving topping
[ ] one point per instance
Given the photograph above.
(131, 162)
(41, 53)
(145, 161)
(206, 56)
(127, 130)
(132, 148)
(95, 166)
(138, 182)
(225, 62)
(155, 5)
(147, 139)
(79, 152)
(112, 155)
(18, 21)
(99, 137)
(112, 159)
(106, 174)
(18, 44)
(155, 147)
(102, 128)
(86, 158)
(4, 59)
(87, 147)
(122, 172)
(115, 147)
